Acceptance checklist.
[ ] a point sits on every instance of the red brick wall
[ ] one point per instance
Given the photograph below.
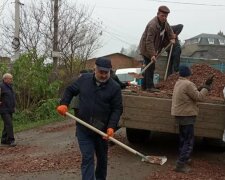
(118, 61)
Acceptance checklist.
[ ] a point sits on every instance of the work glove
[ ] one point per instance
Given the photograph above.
(209, 81)
(110, 133)
(204, 86)
(62, 109)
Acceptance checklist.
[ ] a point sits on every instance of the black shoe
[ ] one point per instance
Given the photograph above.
(183, 168)
(12, 144)
(189, 162)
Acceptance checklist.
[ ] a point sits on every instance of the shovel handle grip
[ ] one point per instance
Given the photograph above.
(104, 134)
(164, 49)
(168, 62)
(144, 158)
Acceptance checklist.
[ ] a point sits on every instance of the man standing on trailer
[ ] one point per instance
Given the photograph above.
(157, 35)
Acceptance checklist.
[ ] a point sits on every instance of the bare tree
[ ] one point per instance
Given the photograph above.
(78, 36)
(131, 51)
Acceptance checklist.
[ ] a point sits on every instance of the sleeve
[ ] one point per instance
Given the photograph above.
(151, 34)
(116, 109)
(70, 91)
(122, 85)
(170, 31)
(177, 28)
(194, 94)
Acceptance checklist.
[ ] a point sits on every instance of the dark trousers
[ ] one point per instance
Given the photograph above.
(186, 142)
(174, 60)
(147, 82)
(76, 111)
(7, 133)
(92, 144)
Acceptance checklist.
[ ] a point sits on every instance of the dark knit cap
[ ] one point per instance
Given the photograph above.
(184, 71)
(103, 64)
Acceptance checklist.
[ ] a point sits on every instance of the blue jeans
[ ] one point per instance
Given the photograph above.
(91, 143)
(186, 142)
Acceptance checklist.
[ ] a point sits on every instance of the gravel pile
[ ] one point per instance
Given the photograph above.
(200, 73)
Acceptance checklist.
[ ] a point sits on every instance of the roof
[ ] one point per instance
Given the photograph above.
(113, 54)
(204, 35)
(120, 54)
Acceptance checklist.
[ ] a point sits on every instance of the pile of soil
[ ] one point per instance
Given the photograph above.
(200, 73)
(200, 170)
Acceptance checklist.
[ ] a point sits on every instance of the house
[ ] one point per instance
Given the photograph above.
(118, 61)
(206, 46)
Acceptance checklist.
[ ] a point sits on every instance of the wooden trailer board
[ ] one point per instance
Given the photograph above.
(154, 114)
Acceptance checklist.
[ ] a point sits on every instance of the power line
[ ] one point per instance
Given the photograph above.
(187, 3)
(117, 37)
(112, 34)
(116, 8)
(3, 6)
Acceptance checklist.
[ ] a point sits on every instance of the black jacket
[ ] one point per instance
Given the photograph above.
(177, 30)
(100, 106)
(7, 99)
(115, 78)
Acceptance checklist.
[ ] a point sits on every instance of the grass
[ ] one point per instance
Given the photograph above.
(25, 125)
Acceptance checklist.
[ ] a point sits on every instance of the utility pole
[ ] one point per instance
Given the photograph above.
(55, 35)
(16, 39)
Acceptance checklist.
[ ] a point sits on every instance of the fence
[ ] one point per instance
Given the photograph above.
(189, 61)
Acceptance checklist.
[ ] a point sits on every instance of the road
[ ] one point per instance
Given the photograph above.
(51, 152)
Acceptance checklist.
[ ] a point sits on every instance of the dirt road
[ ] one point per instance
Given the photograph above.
(51, 152)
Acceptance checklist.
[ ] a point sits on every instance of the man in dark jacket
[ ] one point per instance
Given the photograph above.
(157, 35)
(100, 105)
(75, 101)
(115, 78)
(7, 108)
(176, 51)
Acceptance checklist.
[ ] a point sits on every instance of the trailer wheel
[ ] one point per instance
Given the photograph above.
(217, 144)
(137, 135)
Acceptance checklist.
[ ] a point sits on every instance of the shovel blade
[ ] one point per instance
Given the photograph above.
(135, 75)
(155, 159)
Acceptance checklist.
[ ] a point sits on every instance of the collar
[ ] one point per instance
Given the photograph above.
(99, 84)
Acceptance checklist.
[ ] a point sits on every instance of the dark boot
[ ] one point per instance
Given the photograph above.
(183, 168)
(12, 144)
(189, 162)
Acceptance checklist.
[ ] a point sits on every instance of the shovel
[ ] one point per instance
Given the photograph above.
(150, 159)
(168, 63)
(139, 76)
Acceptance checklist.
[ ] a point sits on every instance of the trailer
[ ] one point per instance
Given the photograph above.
(144, 114)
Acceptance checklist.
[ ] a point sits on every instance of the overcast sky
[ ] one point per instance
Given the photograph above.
(124, 20)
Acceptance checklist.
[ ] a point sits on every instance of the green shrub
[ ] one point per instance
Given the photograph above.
(47, 109)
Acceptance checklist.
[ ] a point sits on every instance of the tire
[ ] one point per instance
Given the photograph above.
(216, 144)
(137, 135)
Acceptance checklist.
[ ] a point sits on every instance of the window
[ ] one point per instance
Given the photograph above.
(211, 40)
(222, 41)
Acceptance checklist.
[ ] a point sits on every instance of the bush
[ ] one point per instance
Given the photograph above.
(47, 109)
